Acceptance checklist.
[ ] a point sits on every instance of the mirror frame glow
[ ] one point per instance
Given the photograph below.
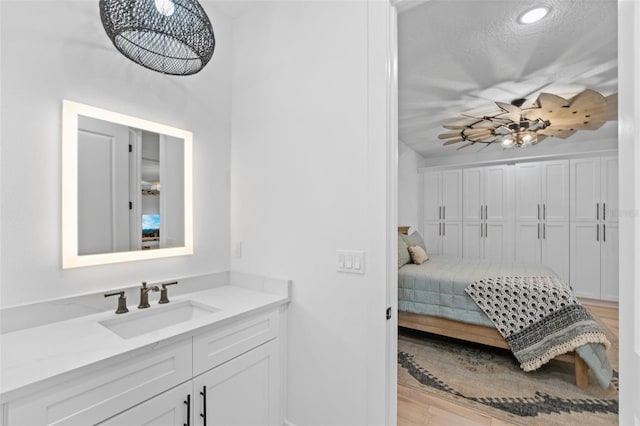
(70, 258)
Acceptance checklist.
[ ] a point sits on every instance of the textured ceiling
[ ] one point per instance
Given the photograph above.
(461, 56)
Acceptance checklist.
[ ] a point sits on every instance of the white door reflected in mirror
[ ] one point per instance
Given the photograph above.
(126, 188)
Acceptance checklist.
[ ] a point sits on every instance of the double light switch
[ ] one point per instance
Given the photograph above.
(351, 261)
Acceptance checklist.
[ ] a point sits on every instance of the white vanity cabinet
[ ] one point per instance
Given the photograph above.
(238, 363)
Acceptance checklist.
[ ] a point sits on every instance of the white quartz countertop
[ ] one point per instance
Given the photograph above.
(36, 354)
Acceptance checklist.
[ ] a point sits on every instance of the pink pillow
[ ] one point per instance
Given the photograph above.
(418, 255)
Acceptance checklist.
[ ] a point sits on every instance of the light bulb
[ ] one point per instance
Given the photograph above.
(527, 138)
(165, 7)
(507, 142)
(533, 15)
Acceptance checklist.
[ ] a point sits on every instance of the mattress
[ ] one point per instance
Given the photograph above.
(436, 287)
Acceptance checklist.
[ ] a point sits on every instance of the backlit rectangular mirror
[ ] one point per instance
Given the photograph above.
(126, 188)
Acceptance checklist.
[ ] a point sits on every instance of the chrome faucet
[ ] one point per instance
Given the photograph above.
(144, 294)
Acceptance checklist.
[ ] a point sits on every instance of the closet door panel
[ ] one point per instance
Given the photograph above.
(527, 191)
(497, 197)
(432, 200)
(585, 259)
(472, 194)
(585, 190)
(432, 238)
(527, 242)
(609, 261)
(555, 248)
(472, 247)
(555, 191)
(497, 244)
(452, 239)
(609, 189)
(452, 195)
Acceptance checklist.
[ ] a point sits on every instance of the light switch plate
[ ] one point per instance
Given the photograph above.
(351, 261)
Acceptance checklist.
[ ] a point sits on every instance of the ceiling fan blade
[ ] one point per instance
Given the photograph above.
(539, 138)
(513, 112)
(448, 135)
(464, 146)
(587, 99)
(461, 127)
(452, 141)
(551, 103)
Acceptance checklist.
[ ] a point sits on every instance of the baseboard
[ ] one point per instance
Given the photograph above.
(598, 302)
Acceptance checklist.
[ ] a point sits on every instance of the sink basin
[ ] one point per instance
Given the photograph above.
(156, 318)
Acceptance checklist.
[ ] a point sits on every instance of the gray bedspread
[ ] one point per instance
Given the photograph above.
(437, 288)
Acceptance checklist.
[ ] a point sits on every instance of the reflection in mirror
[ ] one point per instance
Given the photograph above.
(126, 188)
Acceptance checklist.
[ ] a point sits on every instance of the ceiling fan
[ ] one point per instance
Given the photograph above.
(549, 116)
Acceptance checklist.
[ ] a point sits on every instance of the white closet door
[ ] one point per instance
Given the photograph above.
(609, 261)
(432, 238)
(472, 190)
(432, 197)
(452, 239)
(585, 190)
(452, 195)
(527, 191)
(585, 259)
(497, 199)
(609, 189)
(497, 242)
(555, 190)
(527, 242)
(555, 248)
(472, 247)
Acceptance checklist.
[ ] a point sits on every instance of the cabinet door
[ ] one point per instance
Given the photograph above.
(452, 195)
(585, 259)
(528, 242)
(473, 243)
(498, 244)
(452, 239)
(167, 409)
(472, 180)
(242, 392)
(555, 190)
(432, 237)
(555, 248)
(609, 261)
(528, 192)
(585, 190)
(432, 202)
(497, 193)
(609, 189)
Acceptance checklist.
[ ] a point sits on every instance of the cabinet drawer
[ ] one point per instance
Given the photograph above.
(101, 394)
(220, 345)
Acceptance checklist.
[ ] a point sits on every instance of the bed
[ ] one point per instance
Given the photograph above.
(432, 298)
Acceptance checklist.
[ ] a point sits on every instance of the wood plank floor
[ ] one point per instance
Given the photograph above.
(416, 408)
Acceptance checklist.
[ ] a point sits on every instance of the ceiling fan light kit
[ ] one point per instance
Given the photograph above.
(533, 15)
(550, 116)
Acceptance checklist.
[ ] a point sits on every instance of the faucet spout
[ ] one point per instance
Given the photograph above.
(144, 295)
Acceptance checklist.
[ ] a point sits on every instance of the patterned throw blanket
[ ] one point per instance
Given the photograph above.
(539, 317)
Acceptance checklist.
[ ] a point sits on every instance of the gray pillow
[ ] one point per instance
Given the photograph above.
(415, 239)
(403, 251)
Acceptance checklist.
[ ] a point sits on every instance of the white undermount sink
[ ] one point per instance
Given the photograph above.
(156, 318)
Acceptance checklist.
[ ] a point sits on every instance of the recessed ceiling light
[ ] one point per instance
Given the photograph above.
(533, 15)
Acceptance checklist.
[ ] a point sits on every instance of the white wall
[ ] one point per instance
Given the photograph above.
(55, 50)
(304, 179)
(409, 186)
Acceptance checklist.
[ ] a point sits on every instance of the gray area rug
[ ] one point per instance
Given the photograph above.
(489, 380)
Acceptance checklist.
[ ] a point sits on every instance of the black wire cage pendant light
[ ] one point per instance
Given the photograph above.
(169, 36)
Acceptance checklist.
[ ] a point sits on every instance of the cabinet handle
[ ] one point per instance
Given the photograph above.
(440, 229)
(486, 214)
(204, 406)
(444, 212)
(188, 404)
(604, 211)
(481, 212)
(439, 212)
(597, 211)
(481, 230)
(486, 230)
(597, 232)
(538, 230)
(544, 211)
(604, 232)
(444, 229)
(538, 211)
(544, 231)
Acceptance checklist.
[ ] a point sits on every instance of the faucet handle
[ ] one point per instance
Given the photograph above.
(164, 298)
(122, 301)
